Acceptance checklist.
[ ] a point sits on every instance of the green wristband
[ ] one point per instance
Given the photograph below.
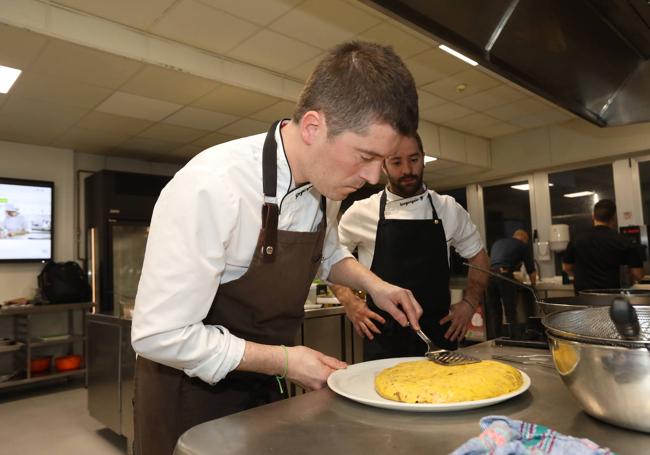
(286, 368)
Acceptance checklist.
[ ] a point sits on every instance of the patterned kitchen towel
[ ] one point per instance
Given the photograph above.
(504, 436)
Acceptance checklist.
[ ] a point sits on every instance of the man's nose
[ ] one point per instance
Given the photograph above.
(371, 172)
(407, 168)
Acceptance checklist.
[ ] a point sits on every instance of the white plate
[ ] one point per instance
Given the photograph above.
(357, 382)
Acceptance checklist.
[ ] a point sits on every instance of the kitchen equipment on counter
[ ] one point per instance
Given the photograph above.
(587, 298)
(443, 356)
(533, 331)
(605, 364)
(67, 363)
(558, 236)
(40, 365)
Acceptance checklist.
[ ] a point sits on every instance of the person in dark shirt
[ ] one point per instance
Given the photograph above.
(595, 259)
(506, 257)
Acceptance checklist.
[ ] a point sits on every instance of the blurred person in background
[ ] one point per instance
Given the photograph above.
(595, 259)
(506, 257)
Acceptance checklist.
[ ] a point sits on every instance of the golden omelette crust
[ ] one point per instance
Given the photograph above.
(423, 381)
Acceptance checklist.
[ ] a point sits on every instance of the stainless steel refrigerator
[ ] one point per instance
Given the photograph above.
(118, 212)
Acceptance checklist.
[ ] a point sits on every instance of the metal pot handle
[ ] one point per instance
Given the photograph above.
(505, 278)
(625, 319)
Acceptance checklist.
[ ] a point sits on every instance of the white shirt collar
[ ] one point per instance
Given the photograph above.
(392, 197)
(285, 176)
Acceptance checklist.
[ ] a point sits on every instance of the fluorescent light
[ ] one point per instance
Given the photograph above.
(7, 78)
(579, 194)
(457, 55)
(524, 186)
(429, 159)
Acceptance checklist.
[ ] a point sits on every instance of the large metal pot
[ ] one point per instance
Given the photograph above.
(597, 297)
(609, 375)
(593, 298)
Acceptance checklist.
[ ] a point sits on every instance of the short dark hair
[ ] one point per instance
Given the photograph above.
(604, 210)
(357, 84)
(418, 139)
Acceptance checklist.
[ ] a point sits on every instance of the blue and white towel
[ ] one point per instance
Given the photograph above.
(504, 436)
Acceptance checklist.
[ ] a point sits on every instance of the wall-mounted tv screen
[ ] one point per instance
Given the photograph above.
(26, 220)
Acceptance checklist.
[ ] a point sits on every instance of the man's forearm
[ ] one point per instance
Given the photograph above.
(262, 358)
(348, 272)
(476, 280)
(344, 294)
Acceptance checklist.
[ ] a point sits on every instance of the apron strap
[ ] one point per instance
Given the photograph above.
(382, 205)
(270, 209)
(317, 255)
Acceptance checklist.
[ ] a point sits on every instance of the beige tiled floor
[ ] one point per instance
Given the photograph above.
(53, 420)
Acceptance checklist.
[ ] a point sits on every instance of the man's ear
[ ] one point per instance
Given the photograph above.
(383, 168)
(312, 125)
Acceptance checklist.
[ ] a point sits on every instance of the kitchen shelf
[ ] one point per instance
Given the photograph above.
(42, 378)
(15, 310)
(29, 345)
(11, 347)
(37, 343)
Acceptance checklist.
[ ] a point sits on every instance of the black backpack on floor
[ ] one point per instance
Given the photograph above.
(63, 282)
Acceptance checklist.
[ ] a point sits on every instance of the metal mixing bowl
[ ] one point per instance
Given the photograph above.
(600, 297)
(611, 383)
(597, 297)
(606, 369)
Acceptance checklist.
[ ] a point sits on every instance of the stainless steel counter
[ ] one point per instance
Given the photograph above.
(322, 422)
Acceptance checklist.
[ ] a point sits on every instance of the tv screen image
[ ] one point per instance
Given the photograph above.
(26, 220)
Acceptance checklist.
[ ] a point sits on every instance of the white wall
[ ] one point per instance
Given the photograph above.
(60, 166)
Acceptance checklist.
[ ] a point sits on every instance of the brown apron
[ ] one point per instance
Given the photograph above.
(265, 305)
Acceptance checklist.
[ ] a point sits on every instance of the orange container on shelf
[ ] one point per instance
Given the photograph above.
(40, 365)
(67, 363)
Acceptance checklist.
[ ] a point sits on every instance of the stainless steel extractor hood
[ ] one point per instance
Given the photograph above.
(588, 56)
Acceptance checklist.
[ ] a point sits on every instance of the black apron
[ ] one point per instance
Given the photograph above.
(265, 305)
(411, 254)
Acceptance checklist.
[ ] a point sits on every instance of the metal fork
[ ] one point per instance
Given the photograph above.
(443, 356)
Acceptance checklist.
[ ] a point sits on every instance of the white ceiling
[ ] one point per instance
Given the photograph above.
(96, 102)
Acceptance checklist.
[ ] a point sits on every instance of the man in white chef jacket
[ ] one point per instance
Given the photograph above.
(14, 223)
(403, 235)
(223, 284)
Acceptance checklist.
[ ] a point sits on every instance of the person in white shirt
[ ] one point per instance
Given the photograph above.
(14, 223)
(225, 279)
(403, 235)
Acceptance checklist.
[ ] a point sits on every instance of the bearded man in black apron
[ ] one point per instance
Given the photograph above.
(403, 234)
(222, 291)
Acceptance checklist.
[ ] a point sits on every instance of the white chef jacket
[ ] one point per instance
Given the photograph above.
(15, 223)
(204, 230)
(358, 225)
